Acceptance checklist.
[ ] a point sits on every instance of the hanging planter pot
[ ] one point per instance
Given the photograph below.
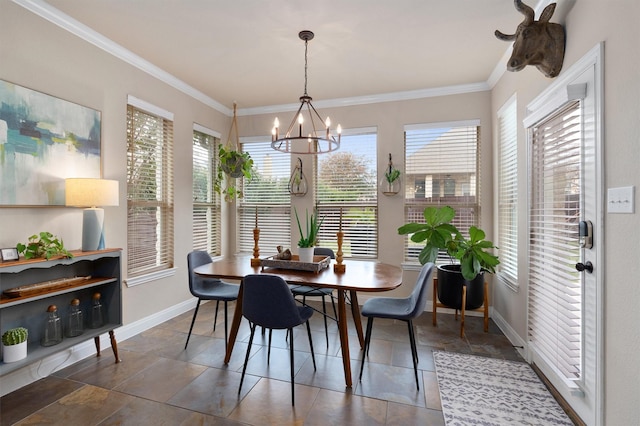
(390, 183)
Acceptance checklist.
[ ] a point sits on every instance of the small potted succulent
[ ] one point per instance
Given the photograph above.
(308, 240)
(14, 344)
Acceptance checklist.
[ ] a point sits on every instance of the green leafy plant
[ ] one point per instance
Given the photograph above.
(44, 245)
(392, 174)
(439, 234)
(309, 238)
(15, 336)
(233, 164)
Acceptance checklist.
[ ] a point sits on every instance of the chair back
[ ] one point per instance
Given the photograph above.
(324, 251)
(194, 259)
(418, 297)
(267, 301)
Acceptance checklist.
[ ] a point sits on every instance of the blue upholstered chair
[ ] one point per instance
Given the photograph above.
(268, 302)
(304, 291)
(209, 289)
(405, 309)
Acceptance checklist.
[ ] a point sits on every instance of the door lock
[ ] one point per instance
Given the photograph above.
(585, 267)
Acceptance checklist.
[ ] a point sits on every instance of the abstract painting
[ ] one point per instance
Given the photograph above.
(44, 140)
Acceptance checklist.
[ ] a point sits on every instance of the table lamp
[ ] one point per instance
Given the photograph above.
(93, 194)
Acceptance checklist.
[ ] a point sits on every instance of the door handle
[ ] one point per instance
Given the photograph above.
(585, 267)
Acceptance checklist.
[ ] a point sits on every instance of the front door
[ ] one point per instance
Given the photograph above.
(565, 275)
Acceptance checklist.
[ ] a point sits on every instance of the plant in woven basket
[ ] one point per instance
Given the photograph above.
(44, 245)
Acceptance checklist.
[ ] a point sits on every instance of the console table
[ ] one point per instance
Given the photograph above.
(101, 270)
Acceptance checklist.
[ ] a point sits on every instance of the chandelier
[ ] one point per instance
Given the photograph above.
(308, 135)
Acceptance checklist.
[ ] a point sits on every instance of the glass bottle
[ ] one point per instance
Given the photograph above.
(97, 312)
(75, 325)
(52, 327)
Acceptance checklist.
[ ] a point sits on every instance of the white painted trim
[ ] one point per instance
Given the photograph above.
(62, 359)
(421, 126)
(132, 282)
(207, 131)
(511, 334)
(149, 107)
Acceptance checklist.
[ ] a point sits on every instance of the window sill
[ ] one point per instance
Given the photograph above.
(154, 276)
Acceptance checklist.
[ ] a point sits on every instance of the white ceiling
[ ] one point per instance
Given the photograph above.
(248, 51)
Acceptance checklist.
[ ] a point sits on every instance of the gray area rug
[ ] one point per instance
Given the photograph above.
(484, 391)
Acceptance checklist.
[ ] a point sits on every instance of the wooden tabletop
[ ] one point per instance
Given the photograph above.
(360, 275)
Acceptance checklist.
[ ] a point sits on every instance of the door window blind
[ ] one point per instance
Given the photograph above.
(268, 194)
(206, 201)
(442, 163)
(346, 182)
(149, 192)
(508, 193)
(555, 287)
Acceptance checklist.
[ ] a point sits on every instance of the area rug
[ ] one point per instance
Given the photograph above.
(477, 390)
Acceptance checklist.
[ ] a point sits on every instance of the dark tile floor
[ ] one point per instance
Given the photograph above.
(160, 383)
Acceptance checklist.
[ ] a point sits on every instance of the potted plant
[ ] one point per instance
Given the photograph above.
(391, 183)
(234, 164)
(44, 245)
(14, 344)
(308, 240)
(472, 255)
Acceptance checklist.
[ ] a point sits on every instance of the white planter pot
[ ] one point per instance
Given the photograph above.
(305, 254)
(13, 353)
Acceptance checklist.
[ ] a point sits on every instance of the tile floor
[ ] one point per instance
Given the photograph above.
(160, 383)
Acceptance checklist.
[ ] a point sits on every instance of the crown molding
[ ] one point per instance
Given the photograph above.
(64, 21)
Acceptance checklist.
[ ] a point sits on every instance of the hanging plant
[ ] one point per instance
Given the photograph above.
(232, 164)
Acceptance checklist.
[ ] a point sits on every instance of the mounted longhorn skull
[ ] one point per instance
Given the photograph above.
(539, 43)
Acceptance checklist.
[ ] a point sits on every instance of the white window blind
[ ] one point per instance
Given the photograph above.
(268, 193)
(555, 287)
(206, 201)
(442, 163)
(346, 181)
(149, 192)
(508, 193)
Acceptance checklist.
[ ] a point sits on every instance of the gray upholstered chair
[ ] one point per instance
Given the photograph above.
(268, 302)
(404, 309)
(208, 289)
(304, 291)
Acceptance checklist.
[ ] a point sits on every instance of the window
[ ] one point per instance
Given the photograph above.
(346, 182)
(442, 164)
(508, 193)
(149, 189)
(265, 197)
(206, 201)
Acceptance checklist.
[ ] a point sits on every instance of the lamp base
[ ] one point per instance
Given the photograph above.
(93, 229)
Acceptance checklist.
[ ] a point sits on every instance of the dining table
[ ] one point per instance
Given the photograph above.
(359, 276)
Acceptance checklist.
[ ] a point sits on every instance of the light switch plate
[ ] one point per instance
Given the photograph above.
(621, 200)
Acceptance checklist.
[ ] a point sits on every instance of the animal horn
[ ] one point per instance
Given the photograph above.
(526, 11)
(547, 13)
(505, 37)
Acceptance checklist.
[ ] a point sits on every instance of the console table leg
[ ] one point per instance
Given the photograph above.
(114, 345)
(97, 342)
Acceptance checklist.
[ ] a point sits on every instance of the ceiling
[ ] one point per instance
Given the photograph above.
(248, 51)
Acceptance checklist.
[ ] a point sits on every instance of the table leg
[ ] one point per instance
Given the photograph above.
(355, 311)
(344, 337)
(235, 325)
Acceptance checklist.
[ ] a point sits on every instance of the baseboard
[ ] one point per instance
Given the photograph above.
(46, 366)
(510, 334)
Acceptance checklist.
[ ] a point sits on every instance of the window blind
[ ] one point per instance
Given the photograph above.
(346, 182)
(555, 287)
(149, 192)
(442, 164)
(206, 201)
(267, 194)
(508, 193)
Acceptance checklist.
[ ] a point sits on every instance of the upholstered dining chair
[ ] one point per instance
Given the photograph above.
(268, 302)
(304, 291)
(209, 289)
(405, 309)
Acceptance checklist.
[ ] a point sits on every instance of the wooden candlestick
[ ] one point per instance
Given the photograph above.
(255, 261)
(339, 267)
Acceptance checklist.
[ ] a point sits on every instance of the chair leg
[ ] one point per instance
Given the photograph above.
(246, 357)
(313, 357)
(335, 311)
(226, 326)
(193, 320)
(326, 327)
(293, 398)
(367, 340)
(215, 318)
(269, 347)
(414, 351)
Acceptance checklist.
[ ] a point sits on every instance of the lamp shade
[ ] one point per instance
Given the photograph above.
(91, 192)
